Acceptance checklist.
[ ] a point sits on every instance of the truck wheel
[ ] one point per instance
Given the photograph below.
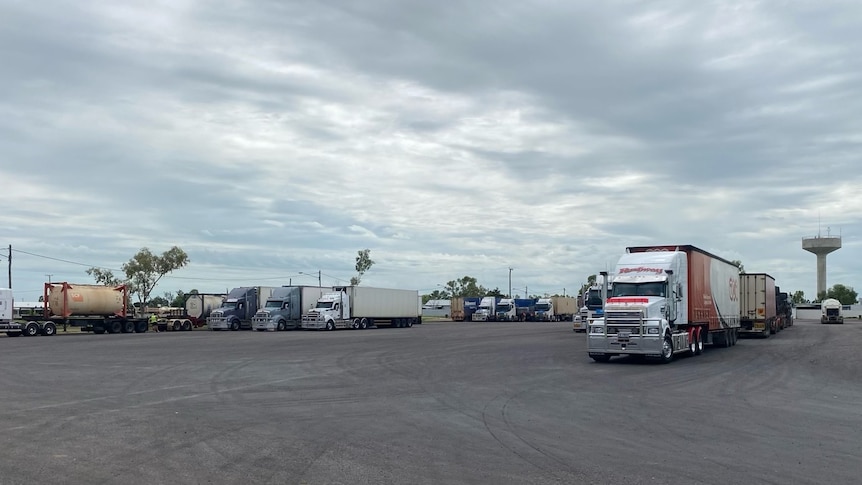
(140, 327)
(176, 326)
(279, 327)
(330, 325)
(735, 336)
(234, 325)
(600, 357)
(115, 327)
(128, 326)
(32, 329)
(363, 324)
(692, 344)
(49, 329)
(409, 323)
(186, 326)
(354, 324)
(98, 330)
(667, 350)
(699, 339)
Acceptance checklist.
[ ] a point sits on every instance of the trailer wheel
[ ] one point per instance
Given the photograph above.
(141, 326)
(32, 329)
(176, 326)
(666, 350)
(186, 326)
(128, 327)
(699, 338)
(115, 327)
(603, 358)
(409, 323)
(49, 329)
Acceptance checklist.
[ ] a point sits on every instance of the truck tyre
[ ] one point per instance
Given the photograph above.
(128, 326)
(735, 338)
(141, 327)
(32, 329)
(667, 350)
(115, 327)
(692, 344)
(234, 325)
(698, 342)
(186, 326)
(98, 330)
(49, 329)
(363, 324)
(330, 325)
(279, 327)
(409, 323)
(600, 357)
(176, 325)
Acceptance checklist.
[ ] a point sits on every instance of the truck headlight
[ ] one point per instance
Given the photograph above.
(652, 330)
(597, 329)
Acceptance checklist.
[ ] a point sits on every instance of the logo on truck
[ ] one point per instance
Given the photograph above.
(641, 269)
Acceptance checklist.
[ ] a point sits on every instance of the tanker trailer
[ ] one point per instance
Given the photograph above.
(93, 308)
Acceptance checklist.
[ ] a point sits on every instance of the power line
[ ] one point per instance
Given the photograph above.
(62, 260)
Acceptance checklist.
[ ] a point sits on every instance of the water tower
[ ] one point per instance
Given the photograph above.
(821, 246)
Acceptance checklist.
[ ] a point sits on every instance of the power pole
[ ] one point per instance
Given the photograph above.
(10, 266)
(318, 279)
(510, 282)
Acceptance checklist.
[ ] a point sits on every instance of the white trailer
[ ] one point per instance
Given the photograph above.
(362, 307)
(831, 311)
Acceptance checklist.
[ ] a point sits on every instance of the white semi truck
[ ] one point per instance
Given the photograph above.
(487, 310)
(667, 300)
(361, 307)
(7, 322)
(831, 311)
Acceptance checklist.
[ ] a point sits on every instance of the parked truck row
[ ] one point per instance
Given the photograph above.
(491, 308)
(105, 309)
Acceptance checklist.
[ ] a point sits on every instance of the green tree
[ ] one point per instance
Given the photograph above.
(495, 292)
(179, 300)
(144, 271)
(435, 295)
(158, 301)
(466, 286)
(798, 297)
(845, 294)
(363, 264)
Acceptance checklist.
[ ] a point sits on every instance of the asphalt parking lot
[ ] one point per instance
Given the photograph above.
(473, 403)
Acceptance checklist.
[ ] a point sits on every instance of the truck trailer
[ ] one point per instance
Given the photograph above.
(361, 307)
(556, 308)
(239, 307)
(667, 300)
(94, 308)
(757, 305)
(463, 308)
(286, 306)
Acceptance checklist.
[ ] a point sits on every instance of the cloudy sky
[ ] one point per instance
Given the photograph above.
(273, 138)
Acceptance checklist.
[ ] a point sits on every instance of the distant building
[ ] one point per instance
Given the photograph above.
(437, 308)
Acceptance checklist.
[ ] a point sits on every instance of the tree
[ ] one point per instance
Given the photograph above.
(435, 295)
(143, 271)
(845, 294)
(179, 300)
(158, 301)
(104, 276)
(466, 286)
(363, 264)
(798, 297)
(738, 265)
(495, 292)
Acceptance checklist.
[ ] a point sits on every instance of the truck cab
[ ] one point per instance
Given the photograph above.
(507, 311)
(545, 310)
(594, 307)
(275, 313)
(831, 311)
(330, 312)
(487, 310)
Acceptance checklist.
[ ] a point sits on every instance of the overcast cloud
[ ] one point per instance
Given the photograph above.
(269, 138)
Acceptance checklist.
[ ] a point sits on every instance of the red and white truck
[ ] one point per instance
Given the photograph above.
(667, 300)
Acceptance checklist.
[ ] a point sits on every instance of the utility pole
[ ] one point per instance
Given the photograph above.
(10, 266)
(318, 279)
(510, 282)
(49, 277)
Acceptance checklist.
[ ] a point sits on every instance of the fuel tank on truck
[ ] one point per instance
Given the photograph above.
(200, 306)
(66, 299)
